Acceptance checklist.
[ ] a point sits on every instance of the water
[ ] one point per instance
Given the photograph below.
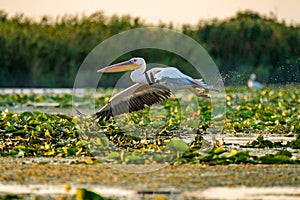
(213, 193)
(214, 182)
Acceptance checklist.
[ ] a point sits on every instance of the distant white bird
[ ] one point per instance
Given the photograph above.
(152, 86)
(254, 84)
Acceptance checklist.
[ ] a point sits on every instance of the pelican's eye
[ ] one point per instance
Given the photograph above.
(134, 60)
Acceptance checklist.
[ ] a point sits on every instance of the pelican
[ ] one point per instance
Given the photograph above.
(151, 87)
(254, 84)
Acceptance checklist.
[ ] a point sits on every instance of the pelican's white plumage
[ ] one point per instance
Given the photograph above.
(152, 86)
(252, 83)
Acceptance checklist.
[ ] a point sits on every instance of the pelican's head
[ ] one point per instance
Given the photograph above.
(132, 64)
(253, 77)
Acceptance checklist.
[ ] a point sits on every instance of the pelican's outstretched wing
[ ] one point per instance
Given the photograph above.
(134, 98)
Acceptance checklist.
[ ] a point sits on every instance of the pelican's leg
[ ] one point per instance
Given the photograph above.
(200, 93)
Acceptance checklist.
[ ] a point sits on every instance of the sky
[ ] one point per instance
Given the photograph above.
(155, 11)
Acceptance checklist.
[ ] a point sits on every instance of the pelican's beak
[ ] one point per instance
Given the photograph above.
(120, 67)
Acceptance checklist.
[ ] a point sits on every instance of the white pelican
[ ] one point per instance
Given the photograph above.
(152, 86)
(254, 84)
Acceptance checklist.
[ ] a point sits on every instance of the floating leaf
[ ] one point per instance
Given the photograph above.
(177, 145)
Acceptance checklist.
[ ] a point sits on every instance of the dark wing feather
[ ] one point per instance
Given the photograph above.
(134, 98)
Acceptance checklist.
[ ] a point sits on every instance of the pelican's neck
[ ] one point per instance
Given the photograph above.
(138, 74)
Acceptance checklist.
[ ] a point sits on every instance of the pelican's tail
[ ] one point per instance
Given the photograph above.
(202, 85)
(200, 82)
